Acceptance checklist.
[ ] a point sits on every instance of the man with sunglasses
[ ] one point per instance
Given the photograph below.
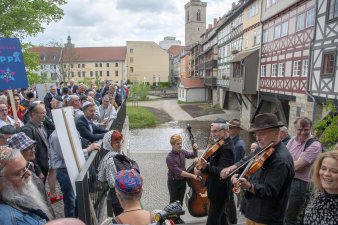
(21, 199)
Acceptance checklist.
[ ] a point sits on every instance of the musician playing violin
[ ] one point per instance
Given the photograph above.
(267, 189)
(219, 191)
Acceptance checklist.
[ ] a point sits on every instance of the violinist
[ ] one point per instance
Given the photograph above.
(177, 172)
(267, 189)
(219, 191)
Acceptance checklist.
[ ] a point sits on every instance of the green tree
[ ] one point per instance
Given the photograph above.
(22, 18)
(326, 129)
(97, 81)
(139, 91)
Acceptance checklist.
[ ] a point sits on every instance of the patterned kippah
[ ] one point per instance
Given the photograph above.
(5, 154)
(128, 181)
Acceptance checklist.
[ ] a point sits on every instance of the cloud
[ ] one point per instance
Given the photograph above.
(140, 6)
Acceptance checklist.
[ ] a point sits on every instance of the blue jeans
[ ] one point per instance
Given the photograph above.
(299, 195)
(69, 200)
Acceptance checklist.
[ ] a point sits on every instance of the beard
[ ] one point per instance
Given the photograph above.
(28, 195)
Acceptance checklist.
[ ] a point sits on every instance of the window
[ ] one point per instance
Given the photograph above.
(107, 64)
(79, 74)
(252, 10)
(96, 73)
(72, 74)
(277, 32)
(41, 67)
(310, 18)
(83, 73)
(300, 22)
(265, 36)
(296, 68)
(268, 3)
(64, 66)
(71, 66)
(42, 57)
(254, 38)
(54, 57)
(246, 40)
(100, 64)
(332, 9)
(262, 70)
(259, 32)
(274, 70)
(78, 65)
(328, 63)
(116, 64)
(198, 15)
(54, 67)
(131, 69)
(96, 65)
(83, 65)
(116, 73)
(107, 73)
(131, 50)
(305, 67)
(281, 68)
(285, 26)
(131, 59)
(188, 16)
(91, 73)
(101, 73)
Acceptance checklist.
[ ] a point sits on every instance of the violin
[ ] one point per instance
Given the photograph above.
(209, 153)
(254, 164)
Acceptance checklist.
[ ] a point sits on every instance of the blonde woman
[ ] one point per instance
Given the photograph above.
(324, 207)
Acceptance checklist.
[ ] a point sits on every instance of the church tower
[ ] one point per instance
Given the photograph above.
(195, 21)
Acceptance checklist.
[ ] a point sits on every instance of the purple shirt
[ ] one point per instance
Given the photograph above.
(296, 150)
(176, 163)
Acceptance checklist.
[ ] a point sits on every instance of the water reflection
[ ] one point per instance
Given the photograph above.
(157, 138)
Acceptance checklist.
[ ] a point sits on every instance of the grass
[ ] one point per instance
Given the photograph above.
(140, 117)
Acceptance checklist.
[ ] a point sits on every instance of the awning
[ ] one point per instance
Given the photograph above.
(242, 55)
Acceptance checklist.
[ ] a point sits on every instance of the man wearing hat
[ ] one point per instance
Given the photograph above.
(21, 200)
(6, 132)
(219, 191)
(266, 191)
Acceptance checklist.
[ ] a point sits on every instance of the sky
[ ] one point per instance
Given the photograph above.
(98, 23)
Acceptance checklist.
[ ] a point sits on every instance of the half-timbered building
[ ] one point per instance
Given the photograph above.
(288, 28)
(324, 67)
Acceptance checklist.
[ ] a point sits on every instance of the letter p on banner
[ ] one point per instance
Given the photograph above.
(12, 68)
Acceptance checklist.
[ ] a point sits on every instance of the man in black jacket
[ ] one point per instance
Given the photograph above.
(267, 189)
(36, 131)
(85, 125)
(219, 191)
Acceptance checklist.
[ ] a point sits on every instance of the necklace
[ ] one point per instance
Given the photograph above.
(132, 210)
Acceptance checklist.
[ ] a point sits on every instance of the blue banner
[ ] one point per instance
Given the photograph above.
(12, 68)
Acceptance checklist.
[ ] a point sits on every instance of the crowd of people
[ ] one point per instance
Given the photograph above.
(31, 154)
(287, 180)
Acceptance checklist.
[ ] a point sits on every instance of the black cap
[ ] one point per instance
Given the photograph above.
(59, 98)
(219, 120)
(7, 129)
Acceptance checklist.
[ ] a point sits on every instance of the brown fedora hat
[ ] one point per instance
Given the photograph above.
(265, 121)
(234, 123)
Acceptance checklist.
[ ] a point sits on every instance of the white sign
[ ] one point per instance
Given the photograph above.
(43, 89)
(70, 142)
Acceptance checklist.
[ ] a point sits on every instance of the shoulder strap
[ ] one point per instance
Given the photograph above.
(309, 142)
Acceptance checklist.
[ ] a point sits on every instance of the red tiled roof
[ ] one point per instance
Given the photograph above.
(192, 83)
(94, 54)
(49, 52)
(175, 49)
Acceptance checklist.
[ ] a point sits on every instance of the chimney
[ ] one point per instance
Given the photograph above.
(210, 27)
(215, 22)
(233, 5)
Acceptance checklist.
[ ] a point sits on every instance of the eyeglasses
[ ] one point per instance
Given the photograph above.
(23, 174)
(215, 131)
(3, 110)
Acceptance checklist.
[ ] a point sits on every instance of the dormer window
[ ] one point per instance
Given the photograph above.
(53, 56)
(42, 57)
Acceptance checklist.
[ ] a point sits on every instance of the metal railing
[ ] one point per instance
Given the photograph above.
(91, 194)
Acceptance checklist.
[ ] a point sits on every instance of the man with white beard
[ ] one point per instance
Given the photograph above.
(21, 200)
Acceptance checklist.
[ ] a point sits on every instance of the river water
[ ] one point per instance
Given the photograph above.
(157, 138)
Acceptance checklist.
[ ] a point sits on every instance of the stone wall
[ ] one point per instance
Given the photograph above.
(248, 112)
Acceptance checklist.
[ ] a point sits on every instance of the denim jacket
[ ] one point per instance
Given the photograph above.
(13, 216)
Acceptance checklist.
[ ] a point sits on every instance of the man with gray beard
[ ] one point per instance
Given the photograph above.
(21, 201)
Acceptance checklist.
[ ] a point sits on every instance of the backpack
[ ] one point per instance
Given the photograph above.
(309, 142)
(122, 162)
